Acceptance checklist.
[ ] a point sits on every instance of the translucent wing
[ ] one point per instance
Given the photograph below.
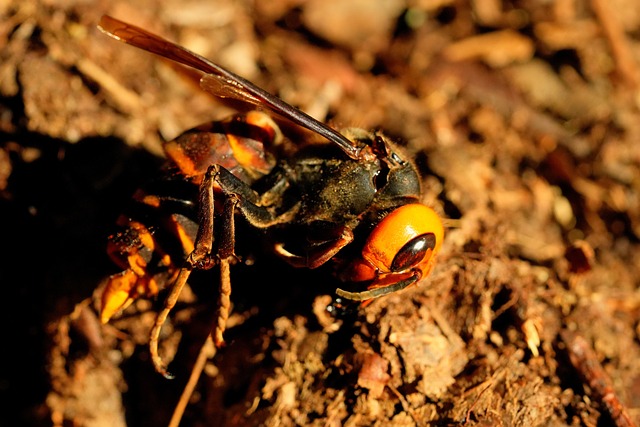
(225, 88)
(223, 83)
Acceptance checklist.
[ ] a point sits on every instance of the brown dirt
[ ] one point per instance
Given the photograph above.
(524, 118)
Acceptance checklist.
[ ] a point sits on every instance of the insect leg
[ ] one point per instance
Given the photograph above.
(225, 253)
(200, 258)
(249, 202)
(215, 338)
(319, 252)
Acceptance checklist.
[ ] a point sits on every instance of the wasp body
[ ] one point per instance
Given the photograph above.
(350, 197)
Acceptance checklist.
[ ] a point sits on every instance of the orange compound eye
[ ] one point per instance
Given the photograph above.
(407, 237)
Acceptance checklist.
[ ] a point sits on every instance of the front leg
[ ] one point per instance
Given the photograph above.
(318, 252)
(252, 205)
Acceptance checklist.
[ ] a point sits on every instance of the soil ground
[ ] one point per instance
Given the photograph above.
(523, 117)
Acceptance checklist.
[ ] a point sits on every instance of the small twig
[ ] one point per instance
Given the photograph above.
(620, 48)
(477, 399)
(207, 351)
(585, 361)
(405, 405)
(125, 100)
(213, 342)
